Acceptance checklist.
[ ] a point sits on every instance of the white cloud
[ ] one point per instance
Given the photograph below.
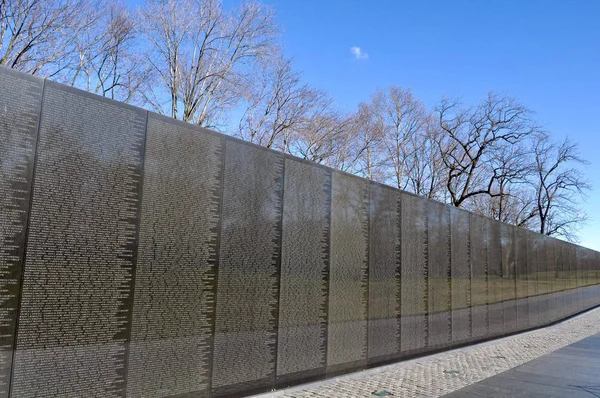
(358, 53)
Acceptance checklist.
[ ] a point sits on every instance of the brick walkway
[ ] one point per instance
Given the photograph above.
(443, 373)
(572, 371)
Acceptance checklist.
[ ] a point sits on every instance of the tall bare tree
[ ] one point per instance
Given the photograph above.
(109, 63)
(559, 185)
(397, 118)
(425, 172)
(201, 54)
(513, 202)
(473, 138)
(277, 105)
(34, 35)
(323, 138)
(366, 156)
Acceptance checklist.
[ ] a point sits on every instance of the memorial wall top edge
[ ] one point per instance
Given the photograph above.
(153, 115)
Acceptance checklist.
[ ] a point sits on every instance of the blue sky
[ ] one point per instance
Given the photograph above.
(546, 53)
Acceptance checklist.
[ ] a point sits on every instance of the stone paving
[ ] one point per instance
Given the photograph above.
(443, 373)
(572, 371)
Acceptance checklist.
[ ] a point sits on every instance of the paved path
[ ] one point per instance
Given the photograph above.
(572, 371)
(447, 372)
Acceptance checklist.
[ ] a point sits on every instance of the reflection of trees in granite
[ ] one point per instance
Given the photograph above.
(248, 276)
(438, 275)
(414, 272)
(533, 269)
(384, 272)
(347, 333)
(80, 256)
(176, 268)
(522, 289)
(304, 269)
(495, 277)
(460, 274)
(479, 277)
(509, 287)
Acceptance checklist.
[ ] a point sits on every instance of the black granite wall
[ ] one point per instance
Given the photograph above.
(145, 257)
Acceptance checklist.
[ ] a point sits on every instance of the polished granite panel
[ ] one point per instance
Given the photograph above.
(554, 305)
(302, 339)
(479, 277)
(414, 272)
(348, 285)
(439, 300)
(522, 283)
(560, 280)
(20, 105)
(495, 278)
(172, 328)
(587, 275)
(532, 278)
(384, 272)
(591, 272)
(580, 278)
(544, 282)
(77, 288)
(244, 353)
(509, 268)
(565, 265)
(460, 275)
(583, 277)
(571, 283)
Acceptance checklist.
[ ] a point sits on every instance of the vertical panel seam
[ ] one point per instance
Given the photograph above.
(327, 301)
(426, 274)
(327, 253)
(278, 265)
(399, 269)
(134, 260)
(368, 264)
(449, 273)
(486, 241)
(219, 228)
(469, 277)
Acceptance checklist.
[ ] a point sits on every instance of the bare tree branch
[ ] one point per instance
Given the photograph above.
(202, 55)
(34, 35)
(558, 184)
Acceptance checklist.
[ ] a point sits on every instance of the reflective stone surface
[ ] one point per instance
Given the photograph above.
(302, 340)
(460, 270)
(438, 276)
(348, 284)
(414, 252)
(20, 105)
(509, 274)
(244, 353)
(145, 257)
(544, 283)
(171, 337)
(77, 283)
(522, 279)
(384, 273)
(495, 279)
(479, 278)
(532, 278)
